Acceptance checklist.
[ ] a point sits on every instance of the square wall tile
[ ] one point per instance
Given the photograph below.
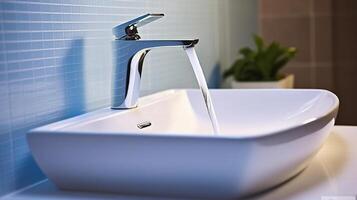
(323, 39)
(322, 7)
(346, 91)
(285, 7)
(289, 32)
(344, 7)
(324, 78)
(302, 76)
(345, 38)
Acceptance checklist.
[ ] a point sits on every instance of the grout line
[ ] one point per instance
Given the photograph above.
(53, 40)
(70, 5)
(260, 18)
(67, 13)
(29, 50)
(291, 16)
(23, 189)
(313, 44)
(54, 31)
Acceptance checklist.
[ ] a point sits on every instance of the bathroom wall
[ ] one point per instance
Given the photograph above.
(345, 58)
(306, 25)
(55, 62)
(238, 24)
(324, 31)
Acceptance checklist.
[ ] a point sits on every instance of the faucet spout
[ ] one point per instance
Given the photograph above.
(129, 55)
(143, 44)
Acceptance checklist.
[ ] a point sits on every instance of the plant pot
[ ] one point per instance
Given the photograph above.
(286, 82)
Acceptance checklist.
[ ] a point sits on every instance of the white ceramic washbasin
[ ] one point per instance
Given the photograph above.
(267, 137)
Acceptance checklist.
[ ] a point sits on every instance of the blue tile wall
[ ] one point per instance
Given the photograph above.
(56, 58)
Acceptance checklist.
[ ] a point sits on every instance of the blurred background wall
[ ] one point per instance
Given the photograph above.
(325, 33)
(345, 58)
(307, 25)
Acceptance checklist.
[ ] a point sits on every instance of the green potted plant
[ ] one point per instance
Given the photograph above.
(260, 67)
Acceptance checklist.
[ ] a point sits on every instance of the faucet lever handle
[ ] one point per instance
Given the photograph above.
(128, 30)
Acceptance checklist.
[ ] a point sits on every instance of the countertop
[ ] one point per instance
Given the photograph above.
(332, 175)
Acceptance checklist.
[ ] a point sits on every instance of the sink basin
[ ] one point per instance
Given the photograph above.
(167, 147)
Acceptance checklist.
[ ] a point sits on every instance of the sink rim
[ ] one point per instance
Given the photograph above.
(59, 126)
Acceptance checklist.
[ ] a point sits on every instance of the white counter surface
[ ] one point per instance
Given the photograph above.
(332, 175)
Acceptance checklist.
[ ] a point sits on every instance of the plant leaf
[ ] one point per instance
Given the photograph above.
(262, 64)
(246, 52)
(259, 43)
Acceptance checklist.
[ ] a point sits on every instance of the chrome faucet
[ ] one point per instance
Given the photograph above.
(129, 55)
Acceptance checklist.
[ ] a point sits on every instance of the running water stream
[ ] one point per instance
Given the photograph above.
(196, 66)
